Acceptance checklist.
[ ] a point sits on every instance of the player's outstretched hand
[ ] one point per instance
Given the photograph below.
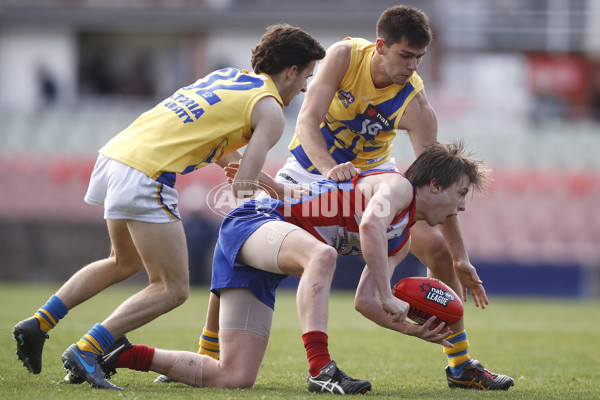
(436, 335)
(343, 172)
(467, 274)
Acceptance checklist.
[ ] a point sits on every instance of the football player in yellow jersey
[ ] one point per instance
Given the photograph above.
(362, 93)
(337, 140)
(134, 178)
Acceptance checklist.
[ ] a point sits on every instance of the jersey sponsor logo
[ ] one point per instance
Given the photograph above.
(346, 98)
(374, 121)
(437, 295)
(375, 113)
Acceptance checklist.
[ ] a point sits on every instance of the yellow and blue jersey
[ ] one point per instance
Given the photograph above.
(361, 122)
(196, 126)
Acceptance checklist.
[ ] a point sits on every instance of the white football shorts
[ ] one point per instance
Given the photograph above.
(127, 193)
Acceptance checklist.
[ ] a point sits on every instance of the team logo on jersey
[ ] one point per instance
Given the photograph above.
(375, 113)
(346, 98)
(437, 295)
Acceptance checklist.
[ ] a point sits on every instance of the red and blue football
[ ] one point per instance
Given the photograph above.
(429, 297)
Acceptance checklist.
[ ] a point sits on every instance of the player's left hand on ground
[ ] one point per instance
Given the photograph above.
(467, 274)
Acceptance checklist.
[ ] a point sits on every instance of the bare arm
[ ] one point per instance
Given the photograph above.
(232, 157)
(391, 194)
(316, 103)
(266, 182)
(267, 124)
(421, 123)
(465, 271)
(367, 304)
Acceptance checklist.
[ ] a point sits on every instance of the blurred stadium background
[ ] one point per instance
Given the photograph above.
(519, 80)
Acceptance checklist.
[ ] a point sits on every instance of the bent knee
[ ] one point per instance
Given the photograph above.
(324, 257)
(360, 304)
(179, 293)
(124, 266)
(174, 294)
(239, 381)
(243, 384)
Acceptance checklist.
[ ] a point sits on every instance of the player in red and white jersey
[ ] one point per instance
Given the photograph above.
(263, 241)
(333, 211)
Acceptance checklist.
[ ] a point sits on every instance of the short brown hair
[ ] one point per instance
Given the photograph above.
(407, 22)
(282, 46)
(445, 164)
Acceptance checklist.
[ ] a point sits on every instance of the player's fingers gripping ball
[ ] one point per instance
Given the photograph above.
(429, 297)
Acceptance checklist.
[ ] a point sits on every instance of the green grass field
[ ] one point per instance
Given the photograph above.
(549, 346)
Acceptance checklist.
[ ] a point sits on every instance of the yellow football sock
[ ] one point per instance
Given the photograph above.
(460, 353)
(89, 344)
(45, 323)
(96, 340)
(209, 344)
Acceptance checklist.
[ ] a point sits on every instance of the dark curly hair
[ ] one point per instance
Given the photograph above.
(407, 22)
(282, 46)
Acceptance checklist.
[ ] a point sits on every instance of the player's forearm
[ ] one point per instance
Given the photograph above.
(374, 249)
(244, 182)
(314, 144)
(265, 180)
(232, 157)
(371, 309)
